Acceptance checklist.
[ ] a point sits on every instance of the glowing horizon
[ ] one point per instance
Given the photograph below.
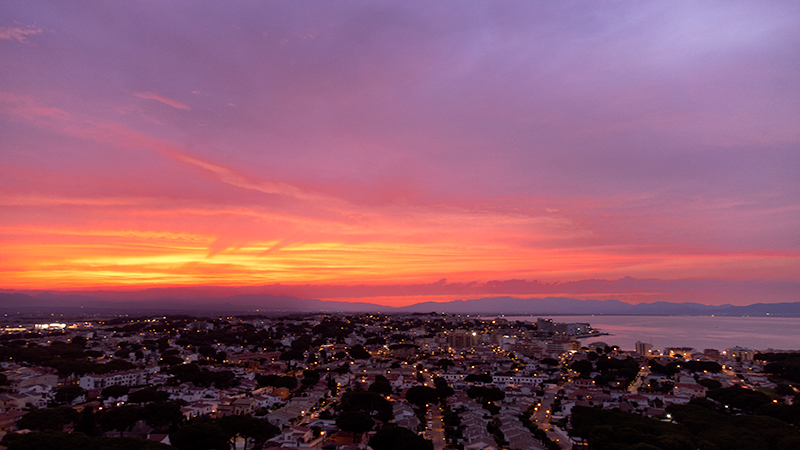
(396, 145)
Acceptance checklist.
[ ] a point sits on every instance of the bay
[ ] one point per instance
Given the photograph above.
(699, 332)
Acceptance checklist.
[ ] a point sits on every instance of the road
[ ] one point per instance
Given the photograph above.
(542, 418)
(644, 372)
(436, 431)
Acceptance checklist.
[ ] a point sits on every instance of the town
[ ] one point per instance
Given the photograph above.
(385, 382)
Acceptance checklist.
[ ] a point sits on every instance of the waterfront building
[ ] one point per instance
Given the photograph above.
(743, 354)
(545, 325)
(644, 348)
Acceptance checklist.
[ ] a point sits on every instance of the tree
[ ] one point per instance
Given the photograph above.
(358, 352)
(220, 357)
(201, 436)
(445, 363)
(780, 411)
(115, 391)
(583, 367)
(48, 419)
(783, 389)
(185, 372)
(170, 360)
(741, 398)
(76, 441)
(421, 396)
(310, 377)
(247, 427)
(207, 351)
(67, 394)
(80, 341)
(443, 390)
(710, 383)
(377, 340)
(121, 418)
(479, 377)
(302, 343)
(291, 354)
(487, 394)
(668, 370)
(286, 381)
(87, 424)
(162, 415)
(381, 385)
(147, 395)
(702, 366)
(367, 402)
(354, 422)
(398, 438)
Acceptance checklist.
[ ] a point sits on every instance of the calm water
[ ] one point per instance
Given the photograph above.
(700, 332)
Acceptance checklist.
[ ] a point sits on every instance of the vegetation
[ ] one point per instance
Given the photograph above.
(784, 365)
(359, 352)
(147, 395)
(201, 436)
(115, 391)
(219, 434)
(76, 441)
(381, 385)
(443, 390)
(277, 381)
(698, 425)
(370, 403)
(48, 419)
(355, 422)
(420, 396)
(201, 377)
(479, 378)
(398, 438)
(739, 398)
(486, 394)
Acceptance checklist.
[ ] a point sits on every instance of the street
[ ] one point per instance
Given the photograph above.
(436, 431)
(542, 418)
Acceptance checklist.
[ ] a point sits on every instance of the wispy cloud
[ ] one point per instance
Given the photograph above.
(160, 98)
(20, 33)
(229, 176)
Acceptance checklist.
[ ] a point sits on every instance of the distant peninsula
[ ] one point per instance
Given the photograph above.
(263, 303)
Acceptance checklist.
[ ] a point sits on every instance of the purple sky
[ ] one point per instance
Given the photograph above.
(395, 144)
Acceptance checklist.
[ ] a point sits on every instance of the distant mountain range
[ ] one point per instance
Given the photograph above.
(262, 303)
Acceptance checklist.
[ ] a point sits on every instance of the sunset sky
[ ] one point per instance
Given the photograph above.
(397, 152)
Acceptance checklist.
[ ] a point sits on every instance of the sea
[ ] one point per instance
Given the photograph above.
(698, 332)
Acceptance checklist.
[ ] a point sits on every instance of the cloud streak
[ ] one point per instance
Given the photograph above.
(162, 99)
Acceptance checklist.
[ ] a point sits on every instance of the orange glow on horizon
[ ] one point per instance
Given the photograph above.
(83, 259)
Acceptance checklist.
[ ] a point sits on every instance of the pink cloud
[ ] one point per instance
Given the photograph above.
(19, 33)
(162, 99)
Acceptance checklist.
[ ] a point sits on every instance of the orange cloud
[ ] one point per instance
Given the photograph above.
(238, 228)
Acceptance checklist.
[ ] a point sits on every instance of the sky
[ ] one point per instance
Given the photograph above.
(403, 151)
